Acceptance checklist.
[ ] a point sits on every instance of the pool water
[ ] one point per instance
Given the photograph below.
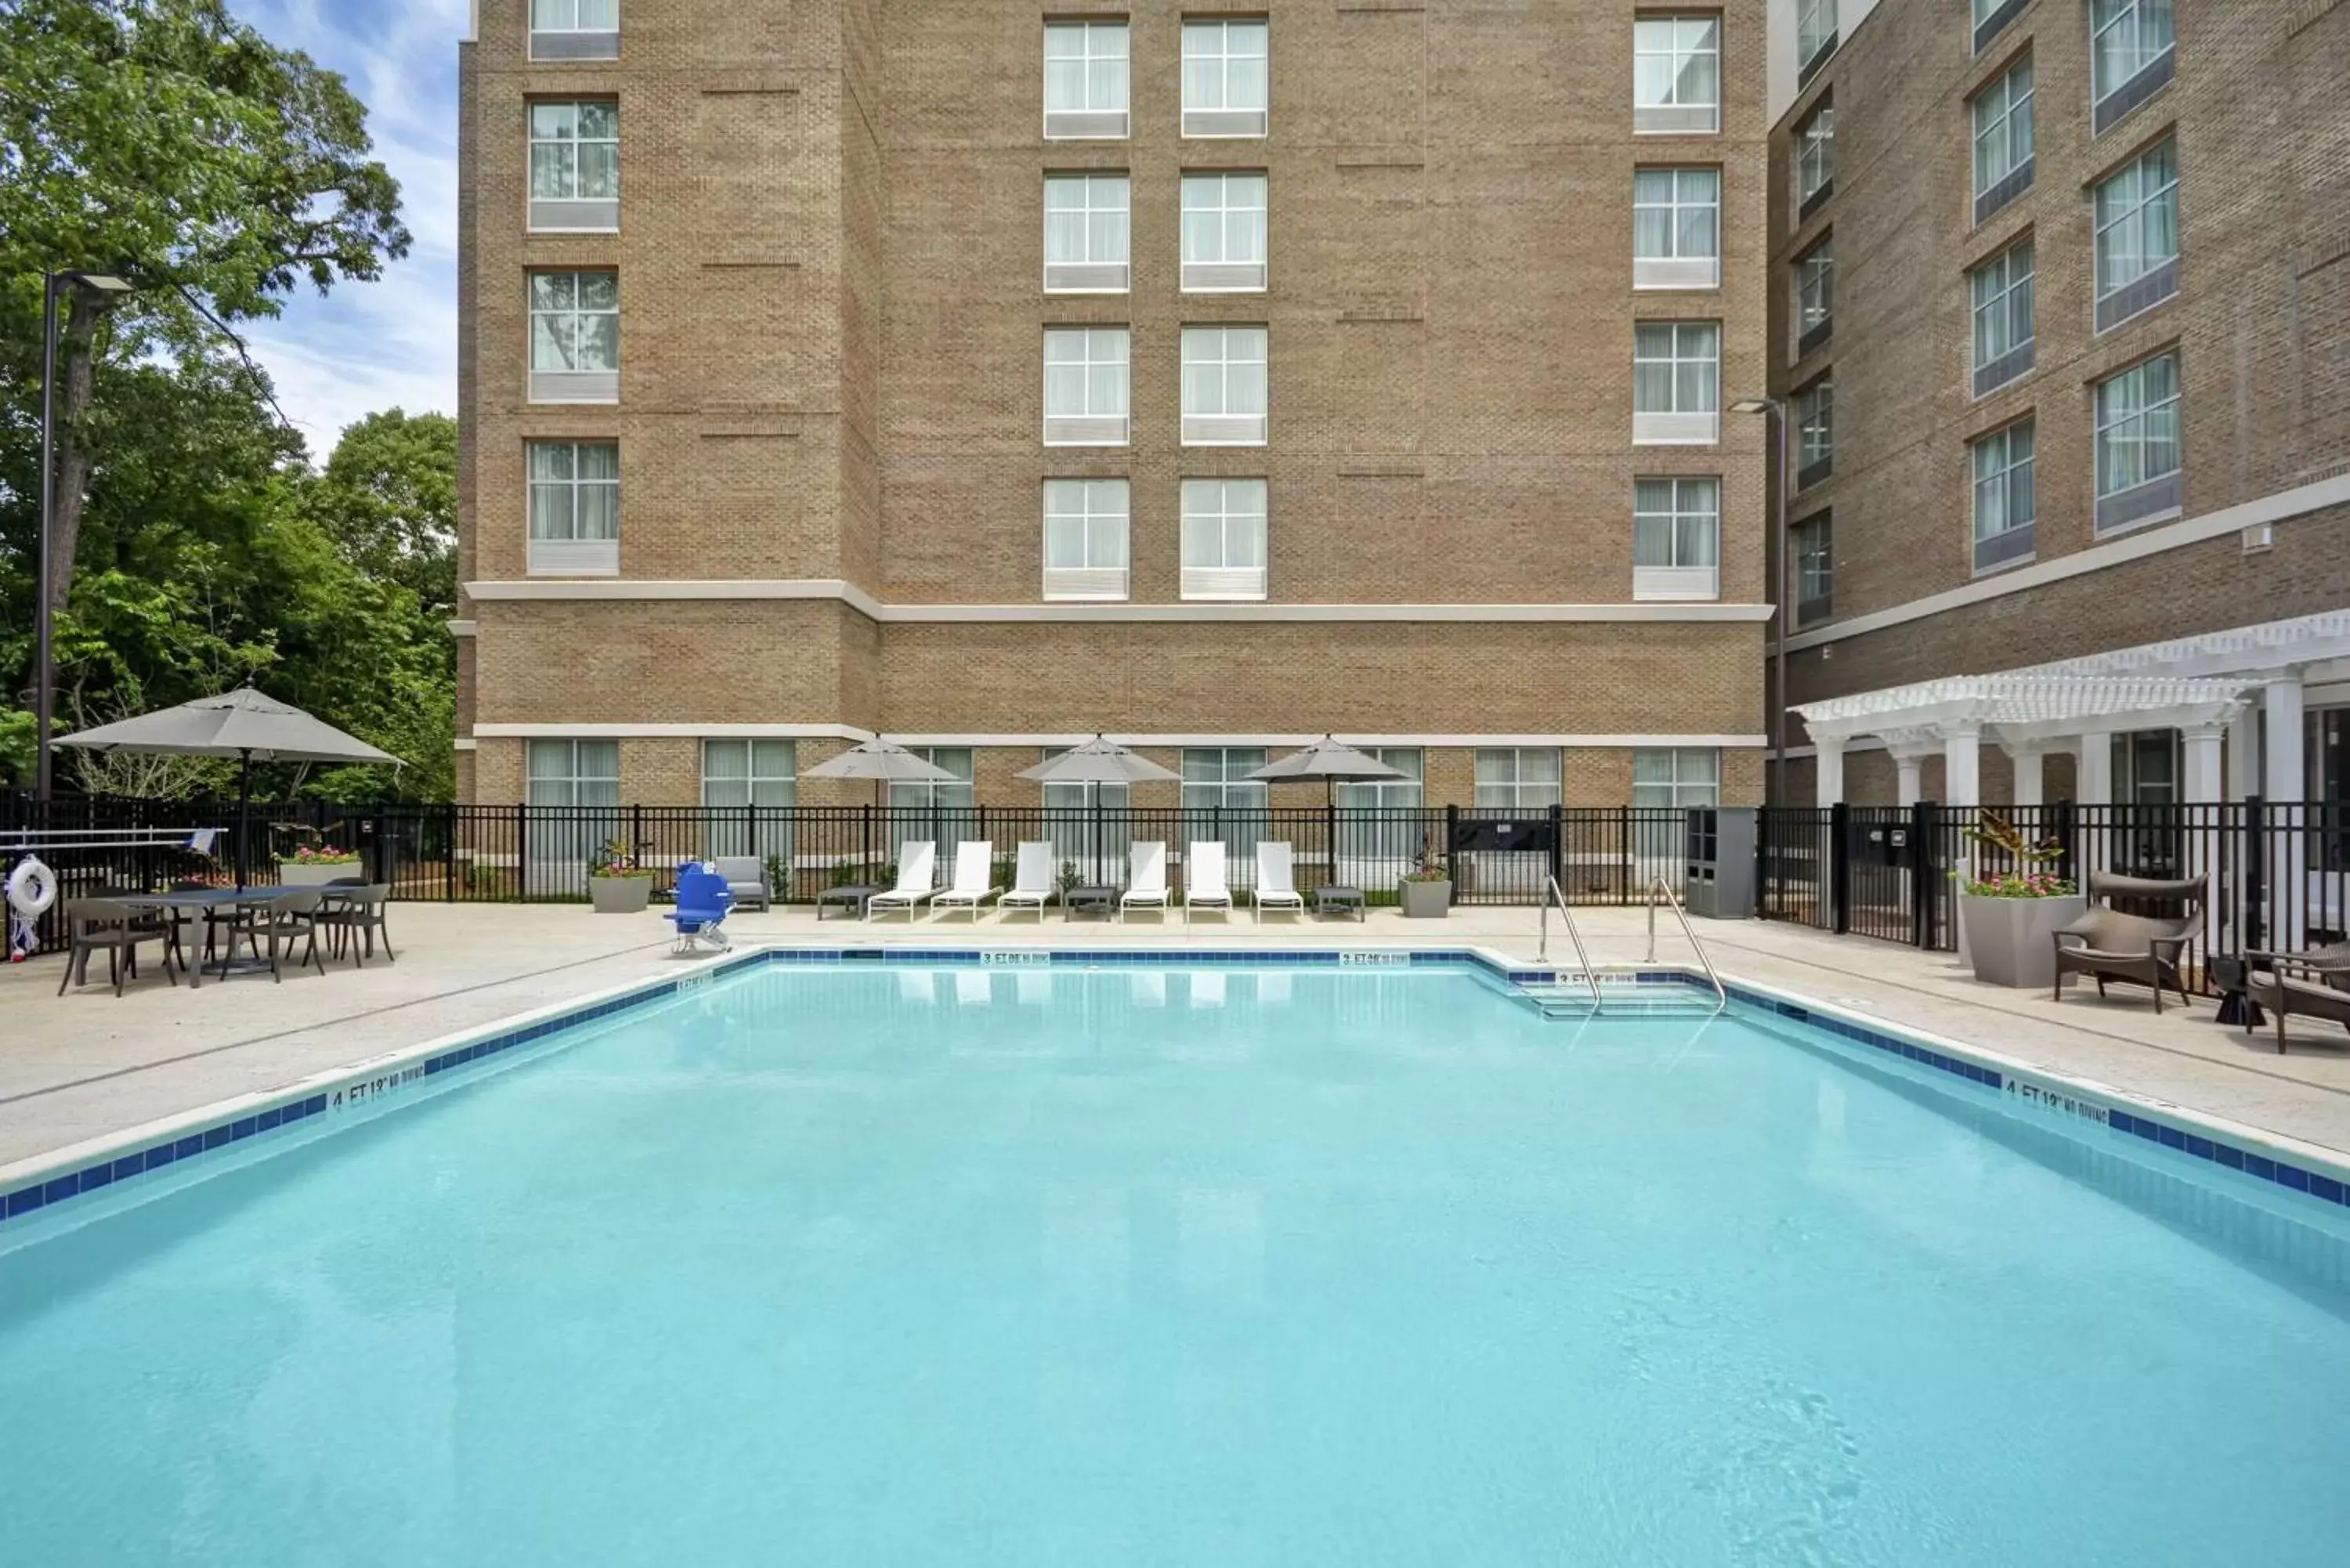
(871, 1267)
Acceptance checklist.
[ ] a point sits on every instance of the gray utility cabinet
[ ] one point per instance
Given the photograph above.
(1720, 884)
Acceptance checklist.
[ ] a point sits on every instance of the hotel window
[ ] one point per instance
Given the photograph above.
(575, 167)
(1676, 228)
(1814, 432)
(575, 338)
(1084, 80)
(2004, 138)
(1227, 77)
(941, 810)
(2131, 55)
(1676, 539)
(575, 508)
(575, 29)
(1223, 232)
(1815, 160)
(1815, 36)
(2137, 236)
(1815, 297)
(575, 773)
(1086, 234)
(1226, 399)
(1085, 386)
(2005, 504)
(1991, 16)
(2139, 470)
(1676, 74)
(750, 788)
(1215, 778)
(1373, 851)
(1675, 383)
(1520, 778)
(2004, 329)
(1084, 538)
(1812, 545)
(1223, 539)
(1674, 778)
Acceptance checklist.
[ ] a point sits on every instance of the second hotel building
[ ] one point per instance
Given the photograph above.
(985, 376)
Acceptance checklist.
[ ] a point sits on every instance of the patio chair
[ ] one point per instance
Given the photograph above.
(2312, 985)
(1032, 879)
(1205, 886)
(355, 915)
(975, 877)
(704, 902)
(292, 914)
(2144, 950)
(1146, 878)
(746, 879)
(918, 864)
(118, 929)
(1277, 878)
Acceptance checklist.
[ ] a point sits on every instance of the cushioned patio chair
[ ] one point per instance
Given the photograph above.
(2312, 985)
(746, 879)
(2144, 950)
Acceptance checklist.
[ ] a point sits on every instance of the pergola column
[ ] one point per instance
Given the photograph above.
(1827, 771)
(1911, 748)
(2286, 786)
(2093, 777)
(2028, 761)
(2200, 787)
(1962, 765)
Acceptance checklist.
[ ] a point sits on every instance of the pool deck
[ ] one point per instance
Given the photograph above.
(87, 1064)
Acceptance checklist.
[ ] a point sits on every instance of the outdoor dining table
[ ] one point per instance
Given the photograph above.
(208, 900)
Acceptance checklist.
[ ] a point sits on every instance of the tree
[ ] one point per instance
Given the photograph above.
(390, 496)
(168, 143)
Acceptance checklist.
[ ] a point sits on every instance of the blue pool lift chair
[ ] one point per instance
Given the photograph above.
(703, 901)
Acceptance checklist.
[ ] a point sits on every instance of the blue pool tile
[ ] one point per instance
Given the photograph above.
(161, 1155)
(270, 1117)
(24, 1200)
(2260, 1166)
(435, 1065)
(2172, 1137)
(2147, 1130)
(129, 1165)
(97, 1176)
(2227, 1154)
(2324, 1187)
(2201, 1148)
(60, 1188)
(243, 1130)
(2292, 1175)
(189, 1146)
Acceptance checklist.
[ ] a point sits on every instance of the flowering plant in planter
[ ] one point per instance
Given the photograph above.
(1430, 867)
(2031, 879)
(615, 858)
(323, 854)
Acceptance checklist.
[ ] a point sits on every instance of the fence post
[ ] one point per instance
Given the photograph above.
(2255, 860)
(1558, 847)
(1452, 861)
(448, 855)
(1922, 902)
(522, 853)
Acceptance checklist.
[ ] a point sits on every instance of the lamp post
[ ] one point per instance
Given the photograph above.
(52, 284)
(1776, 556)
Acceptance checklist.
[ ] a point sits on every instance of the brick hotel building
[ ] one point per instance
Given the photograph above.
(986, 374)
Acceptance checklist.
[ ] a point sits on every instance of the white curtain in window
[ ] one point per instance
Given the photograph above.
(1086, 67)
(1084, 373)
(1226, 65)
(2138, 219)
(1086, 220)
(2003, 481)
(2137, 426)
(1677, 214)
(1677, 61)
(1675, 523)
(1224, 219)
(1223, 524)
(2126, 36)
(1224, 371)
(1085, 523)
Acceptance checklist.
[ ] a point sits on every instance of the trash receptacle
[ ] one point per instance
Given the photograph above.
(1720, 880)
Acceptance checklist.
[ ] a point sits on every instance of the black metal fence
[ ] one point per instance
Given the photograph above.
(2275, 872)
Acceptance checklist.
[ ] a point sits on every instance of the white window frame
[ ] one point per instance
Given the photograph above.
(2006, 114)
(565, 210)
(1814, 412)
(769, 780)
(1686, 260)
(1242, 529)
(1814, 569)
(1097, 47)
(1691, 343)
(569, 776)
(1209, 201)
(1100, 512)
(1815, 295)
(1104, 356)
(2131, 216)
(572, 382)
(1217, 364)
(1691, 778)
(1099, 207)
(566, 551)
(1680, 40)
(2107, 19)
(1815, 157)
(1998, 292)
(1211, 46)
(1504, 782)
(2146, 494)
(1215, 778)
(2002, 474)
(556, 32)
(1676, 537)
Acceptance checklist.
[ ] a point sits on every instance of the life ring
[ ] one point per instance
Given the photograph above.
(32, 888)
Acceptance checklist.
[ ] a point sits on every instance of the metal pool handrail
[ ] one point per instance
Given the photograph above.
(1590, 977)
(1721, 995)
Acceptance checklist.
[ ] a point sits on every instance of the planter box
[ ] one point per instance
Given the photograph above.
(2012, 941)
(294, 874)
(620, 894)
(1425, 900)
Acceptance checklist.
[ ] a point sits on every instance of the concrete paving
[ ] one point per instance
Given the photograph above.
(87, 1064)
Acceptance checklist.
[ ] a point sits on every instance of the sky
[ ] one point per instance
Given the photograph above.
(391, 343)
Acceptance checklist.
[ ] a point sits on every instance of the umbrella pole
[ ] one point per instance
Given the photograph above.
(244, 813)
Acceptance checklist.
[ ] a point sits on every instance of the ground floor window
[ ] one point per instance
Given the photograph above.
(1666, 782)
(1376, 849)
(1222, 803)
(583, 779)
(750, 786)
(940, 810)
(1521, 778)
(575, 772)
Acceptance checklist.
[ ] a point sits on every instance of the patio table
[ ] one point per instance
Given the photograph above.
(1102, 901)
(855, 896)
(1337, 900)
(209, 899)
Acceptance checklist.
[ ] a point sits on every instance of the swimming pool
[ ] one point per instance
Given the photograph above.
(1164, 1264)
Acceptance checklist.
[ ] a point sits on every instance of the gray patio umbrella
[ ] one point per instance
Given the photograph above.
(883, 761)
(243, 724)
(1330, 762)
(1099, 761)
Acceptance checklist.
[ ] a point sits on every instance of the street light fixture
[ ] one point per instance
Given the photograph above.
(52, 284)
(1775, 791)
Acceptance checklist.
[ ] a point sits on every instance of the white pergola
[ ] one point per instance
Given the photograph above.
(2203, 686)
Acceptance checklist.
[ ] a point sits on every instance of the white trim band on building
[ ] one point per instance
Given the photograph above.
(715, 731)
(857, 599)
(2268, 510)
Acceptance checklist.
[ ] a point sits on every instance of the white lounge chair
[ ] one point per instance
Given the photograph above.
(1277, 878)
(1032, 879)
(974, 879)
(1205, 886)
(1146, 878)
(917, 866)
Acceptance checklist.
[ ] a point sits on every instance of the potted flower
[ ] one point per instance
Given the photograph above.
(617, 883)
(1426, 890)
(315, 865)
(2008, 919)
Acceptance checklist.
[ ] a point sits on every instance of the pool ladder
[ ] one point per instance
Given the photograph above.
(1660, 891)
(1590, 975)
